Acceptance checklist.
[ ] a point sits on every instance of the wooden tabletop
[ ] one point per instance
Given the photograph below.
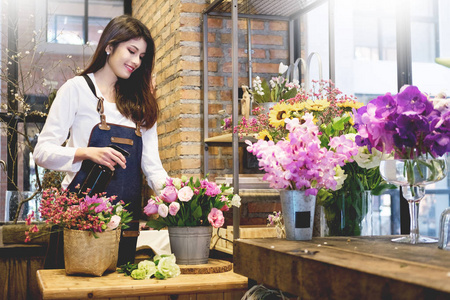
(346, 268)
(55, 284)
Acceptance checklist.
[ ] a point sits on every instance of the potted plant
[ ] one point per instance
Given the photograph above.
(190, 208)
(92, 223)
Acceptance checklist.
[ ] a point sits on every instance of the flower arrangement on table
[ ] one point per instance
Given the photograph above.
(161, 267)
(63, 209)
(189, 202)
(331, 126)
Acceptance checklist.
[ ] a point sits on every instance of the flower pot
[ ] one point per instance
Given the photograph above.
(85, 254)
(298, 213)
(190, 245)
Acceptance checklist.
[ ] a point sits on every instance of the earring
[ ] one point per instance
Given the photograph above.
(107, 53)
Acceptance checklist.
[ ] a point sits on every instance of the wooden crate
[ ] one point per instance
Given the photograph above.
(222, 239)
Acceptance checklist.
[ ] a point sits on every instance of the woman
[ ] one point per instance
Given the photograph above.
(123, 113)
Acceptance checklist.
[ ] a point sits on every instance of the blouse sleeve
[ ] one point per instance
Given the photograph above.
(49, 152)
(151, 162)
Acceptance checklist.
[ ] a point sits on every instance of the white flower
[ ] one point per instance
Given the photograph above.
(236, 201)
(441, 103)
(368, 160)
(177, 183)
(114, 222)
(282, 68)
(228, 191)
(163, 210)
(119, 209)
(339, 177)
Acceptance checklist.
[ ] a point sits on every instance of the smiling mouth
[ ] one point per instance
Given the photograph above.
(129, 68)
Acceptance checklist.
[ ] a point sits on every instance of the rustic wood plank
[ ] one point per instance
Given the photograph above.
(213, 266)
(233, 295)
(55, 284)
(346, 268)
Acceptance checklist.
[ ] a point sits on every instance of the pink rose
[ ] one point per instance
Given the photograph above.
(185, 194)
(225, 208)
(114, 222)
(216, 218)
(174, 207)
(151, 208)
(169, 194)
(163, 210)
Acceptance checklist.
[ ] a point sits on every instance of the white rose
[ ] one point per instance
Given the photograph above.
(163, 210)
(236, 201)
(368, 160)
(185, 194)
(114, 222)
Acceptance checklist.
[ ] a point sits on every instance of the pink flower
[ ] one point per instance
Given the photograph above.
(169, 194)
(151, 208)
(163, 210)
(114, 222)
(174, 207)
(225, 208)
(185, 194)
(216, 218)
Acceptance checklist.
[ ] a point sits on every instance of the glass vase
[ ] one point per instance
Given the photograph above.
(412, 175)
(348, 214)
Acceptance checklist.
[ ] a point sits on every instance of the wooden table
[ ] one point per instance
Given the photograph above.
(346, 268)
(55, 284)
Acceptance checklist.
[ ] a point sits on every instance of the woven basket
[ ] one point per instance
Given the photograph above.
(85, 254)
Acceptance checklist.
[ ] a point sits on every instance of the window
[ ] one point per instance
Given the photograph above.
(78, 22)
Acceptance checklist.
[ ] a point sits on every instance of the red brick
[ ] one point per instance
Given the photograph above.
(215, 23)
(265, 68)
(215, 80)
(259, 39)
(257, 25)
(278, 26)
(279, 54)
(215, 52)
(192, 7)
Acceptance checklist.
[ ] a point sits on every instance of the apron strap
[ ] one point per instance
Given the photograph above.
(100, 108)
(138, 129)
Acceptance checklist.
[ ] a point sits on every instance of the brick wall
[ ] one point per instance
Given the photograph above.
(176, 26)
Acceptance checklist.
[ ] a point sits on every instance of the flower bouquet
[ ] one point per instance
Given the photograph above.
(63, 209)
(332, 115)
(415, 132)
(185, 202)
(190, 208)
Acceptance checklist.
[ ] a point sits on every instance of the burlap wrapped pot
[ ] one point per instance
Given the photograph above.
(85, 254)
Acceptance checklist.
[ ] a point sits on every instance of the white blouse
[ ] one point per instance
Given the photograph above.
(72, 116)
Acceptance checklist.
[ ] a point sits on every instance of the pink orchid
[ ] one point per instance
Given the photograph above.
(215, 218)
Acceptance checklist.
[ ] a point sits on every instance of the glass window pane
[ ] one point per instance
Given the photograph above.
(365, 48)
(100, 13)
(65, 22)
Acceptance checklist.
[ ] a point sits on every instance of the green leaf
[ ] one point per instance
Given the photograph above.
(197, 212)
(155, 224)
(289, 94)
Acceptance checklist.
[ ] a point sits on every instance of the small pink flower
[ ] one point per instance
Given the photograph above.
(185, 194)
(216, 218)
(163, 210)
(169, 194)
(225, 208)
(174, 207)
(151, 208)
(114, 222)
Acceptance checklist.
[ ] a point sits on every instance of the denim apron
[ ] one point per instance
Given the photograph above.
(125, 183)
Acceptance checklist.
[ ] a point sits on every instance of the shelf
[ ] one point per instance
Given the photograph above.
(261, 7)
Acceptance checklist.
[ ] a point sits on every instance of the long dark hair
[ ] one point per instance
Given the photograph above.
(134, 97)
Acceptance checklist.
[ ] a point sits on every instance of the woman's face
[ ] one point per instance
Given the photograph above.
(126, 57)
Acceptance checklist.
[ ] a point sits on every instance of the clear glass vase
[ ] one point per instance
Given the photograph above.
(412, 175)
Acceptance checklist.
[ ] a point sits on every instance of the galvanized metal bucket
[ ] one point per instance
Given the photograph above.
(190, 245)
(298, 214)
(85, 254)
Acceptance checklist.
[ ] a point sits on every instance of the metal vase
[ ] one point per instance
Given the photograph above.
(85, 254)
(298, 214)
(190, 245)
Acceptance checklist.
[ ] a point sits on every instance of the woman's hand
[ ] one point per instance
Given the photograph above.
(105, 156)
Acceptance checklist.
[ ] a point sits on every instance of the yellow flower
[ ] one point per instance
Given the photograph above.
(317, 105)
(350, 104)
(265, 135)
(278, 113)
